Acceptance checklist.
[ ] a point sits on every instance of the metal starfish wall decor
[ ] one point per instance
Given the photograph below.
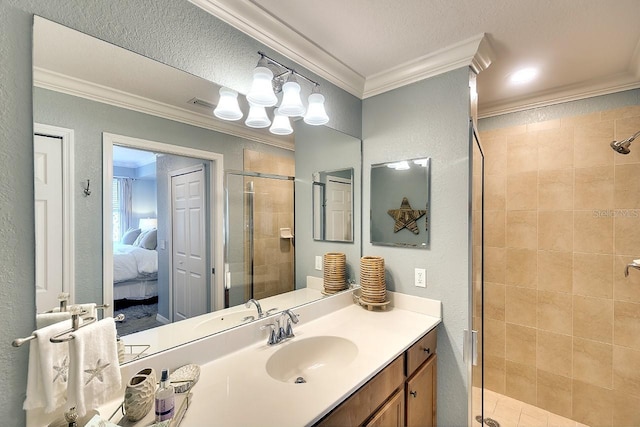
(406, 216)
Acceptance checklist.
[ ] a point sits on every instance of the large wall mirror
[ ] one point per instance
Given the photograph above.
(126, 130)
(400, 203)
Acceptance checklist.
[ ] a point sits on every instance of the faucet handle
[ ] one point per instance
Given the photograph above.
(273, 336)
(271, 311)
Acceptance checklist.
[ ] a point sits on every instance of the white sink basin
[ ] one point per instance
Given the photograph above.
(225, 321)
(310, 358)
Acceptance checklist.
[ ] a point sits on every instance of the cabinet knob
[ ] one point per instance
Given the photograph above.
(427, 350)
(413, 393)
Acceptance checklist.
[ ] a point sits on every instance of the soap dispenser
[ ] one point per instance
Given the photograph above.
(165, 398)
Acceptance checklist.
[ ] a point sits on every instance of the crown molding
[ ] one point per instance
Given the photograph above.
(574, 92)
(475, 52)
(265, 28)
(76, 87)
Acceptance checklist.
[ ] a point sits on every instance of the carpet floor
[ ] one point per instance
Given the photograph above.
(137, 318)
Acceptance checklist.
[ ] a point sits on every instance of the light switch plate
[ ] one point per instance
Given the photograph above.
(421, 277)
(319, 262)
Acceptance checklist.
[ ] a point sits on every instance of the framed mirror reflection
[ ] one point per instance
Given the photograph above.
(400, 203)
(333, 205)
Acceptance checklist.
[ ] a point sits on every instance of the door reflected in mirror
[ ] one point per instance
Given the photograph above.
(333, 205)
(400, 203)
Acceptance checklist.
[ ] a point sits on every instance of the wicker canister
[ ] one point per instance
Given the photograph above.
(372, 284)
(335, 266)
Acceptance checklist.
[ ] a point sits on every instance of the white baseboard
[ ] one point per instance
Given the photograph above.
(162, 319)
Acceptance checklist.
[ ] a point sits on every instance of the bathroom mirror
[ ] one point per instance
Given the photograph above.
(333, 205)
(400, 203)
(98, 92)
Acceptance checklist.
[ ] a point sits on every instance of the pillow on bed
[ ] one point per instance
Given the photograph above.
(150, 239)
(130, 236)
(140, 237)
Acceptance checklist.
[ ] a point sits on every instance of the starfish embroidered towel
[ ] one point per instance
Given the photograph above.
(94, 371)
(48, 369)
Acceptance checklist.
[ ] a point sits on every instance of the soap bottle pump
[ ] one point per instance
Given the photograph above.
(165, 398)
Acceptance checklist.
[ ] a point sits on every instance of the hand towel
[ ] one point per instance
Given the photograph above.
(48, 369)
(90, 309)
(94, 371)
(46, 319)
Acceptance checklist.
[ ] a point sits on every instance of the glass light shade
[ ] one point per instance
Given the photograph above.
(291, 103)
(228, 108)
(316, 115)
(257, 117)
(281, 124)
(261, 92)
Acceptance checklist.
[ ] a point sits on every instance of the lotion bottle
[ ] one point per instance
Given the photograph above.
(165, 398)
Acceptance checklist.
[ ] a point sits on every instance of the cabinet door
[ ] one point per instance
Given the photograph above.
(421, 400)
(391, 414)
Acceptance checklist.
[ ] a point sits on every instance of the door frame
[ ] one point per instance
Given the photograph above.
(207, 196)
(216, 209)
(67, 138)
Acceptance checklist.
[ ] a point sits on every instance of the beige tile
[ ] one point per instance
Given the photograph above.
(591, 144)
(494, 229)
(494, 373)
(625, 127)
(626, 370)
(521, 344)
(627, 186)
(522, 153)
(560, 421)
(522, 267)
(520, 306)
(511, 130)
(494, 300)
(594, 188)
(495, 150)
(593, 275)
(535, 412)
(520, 382)
(530, 421)
(555, 149)
(522, 191)
(495, 264)
(593, 362)
(593, 318)
(522, 229)
(592, 405)
(627, 232)
(555, 230)
(593, 233)
(554, 353)
(547, 124)
(579, 121)
(626, 324)
(555, 271)
(620, 113)
(626, 410)
(554, 312)
(494, 338)
(554, 393)
(555, 189)
(495, 191)
(626, 288)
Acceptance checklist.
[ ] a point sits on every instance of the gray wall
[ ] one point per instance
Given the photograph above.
(430, 119)
(154, 28)
(319, 148)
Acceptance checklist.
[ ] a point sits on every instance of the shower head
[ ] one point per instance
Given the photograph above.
(622, 147)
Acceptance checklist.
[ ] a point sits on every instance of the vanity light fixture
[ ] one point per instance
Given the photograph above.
(228, 108)
(257, 117)
(316, 114)
(291, 104)
(281, 124)
(261, 92)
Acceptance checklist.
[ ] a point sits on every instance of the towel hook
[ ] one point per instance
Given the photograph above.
(87, 192)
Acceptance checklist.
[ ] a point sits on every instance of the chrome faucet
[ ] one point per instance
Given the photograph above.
(248, 304)
(283, 329)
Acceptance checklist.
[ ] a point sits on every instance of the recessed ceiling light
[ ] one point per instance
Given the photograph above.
(524, 76)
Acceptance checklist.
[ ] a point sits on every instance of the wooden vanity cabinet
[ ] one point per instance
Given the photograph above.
(402, 394)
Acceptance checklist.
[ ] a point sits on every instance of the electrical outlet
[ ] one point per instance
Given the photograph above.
(421, 277)
(319, 262)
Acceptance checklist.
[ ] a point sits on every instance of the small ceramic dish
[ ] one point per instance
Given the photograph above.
(185, 377)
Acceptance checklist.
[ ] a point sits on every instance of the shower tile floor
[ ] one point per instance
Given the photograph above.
(510, 412)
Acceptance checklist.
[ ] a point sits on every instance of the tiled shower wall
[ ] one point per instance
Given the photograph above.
(273, 261)
(562, 219)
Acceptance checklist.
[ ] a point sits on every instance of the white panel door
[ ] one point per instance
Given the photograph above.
(48, 220)
(338, 209)
(189, 245)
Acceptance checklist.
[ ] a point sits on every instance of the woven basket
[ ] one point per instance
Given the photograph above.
(372, 284)
(335, 266)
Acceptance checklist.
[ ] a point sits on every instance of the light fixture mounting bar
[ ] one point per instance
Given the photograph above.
(289, 69)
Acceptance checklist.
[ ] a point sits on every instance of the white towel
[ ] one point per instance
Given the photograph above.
(46, 319)
(89, 309)
(94, 371)
(48, 369)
